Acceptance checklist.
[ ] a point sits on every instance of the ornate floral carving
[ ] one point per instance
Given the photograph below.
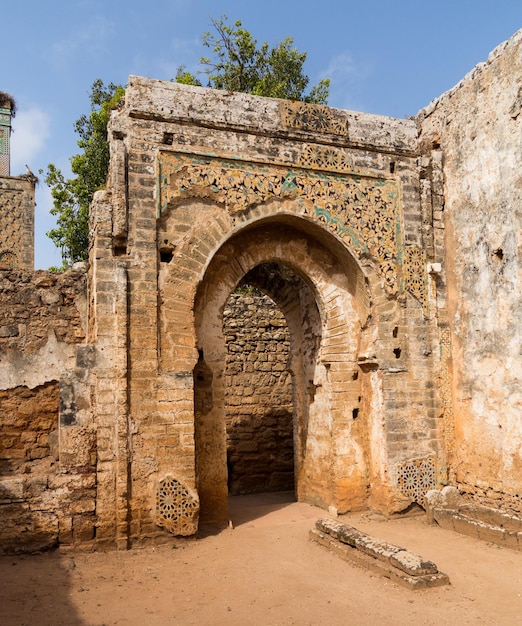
(415, 274)
(313, 117)
(364, 210)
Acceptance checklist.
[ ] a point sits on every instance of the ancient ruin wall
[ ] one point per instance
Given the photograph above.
(199, 178)
(47, 444)
(477, 128)
(258, 402)
(17, 219)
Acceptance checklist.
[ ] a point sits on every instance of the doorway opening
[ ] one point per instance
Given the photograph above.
(271, 407)
(259, 410)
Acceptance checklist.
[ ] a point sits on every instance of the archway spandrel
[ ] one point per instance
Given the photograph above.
(361, 209)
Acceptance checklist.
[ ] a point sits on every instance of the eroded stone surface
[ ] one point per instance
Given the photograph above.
(476, 128)
(412, 563)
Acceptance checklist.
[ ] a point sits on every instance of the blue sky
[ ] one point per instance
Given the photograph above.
(382, 56)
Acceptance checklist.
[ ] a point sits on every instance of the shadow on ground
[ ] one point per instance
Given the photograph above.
(35, 590)
(268, 509)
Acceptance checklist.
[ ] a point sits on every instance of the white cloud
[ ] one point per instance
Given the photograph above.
(347, 77)
(341, 69)
(31, 129)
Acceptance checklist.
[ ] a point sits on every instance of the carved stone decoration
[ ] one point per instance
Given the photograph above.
(177, 508)
(416, 277)
(364, 210)
(325, 158)
(416, 477)
(313, 117)
(7, 259)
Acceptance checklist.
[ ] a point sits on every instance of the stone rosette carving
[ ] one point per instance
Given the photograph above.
(325, 157)
(313, 117)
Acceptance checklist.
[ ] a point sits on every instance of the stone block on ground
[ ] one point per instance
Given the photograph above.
(381, 557)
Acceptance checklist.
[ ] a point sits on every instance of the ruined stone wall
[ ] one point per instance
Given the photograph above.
(17, 219)
(259, 403)
(475, 131)
(47, 440)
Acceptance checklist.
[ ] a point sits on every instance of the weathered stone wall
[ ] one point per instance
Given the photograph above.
(475, 130)
(17, 219)
(259, 403)
(39, 305)
(206, 188)
(29, 427)
(47, 438)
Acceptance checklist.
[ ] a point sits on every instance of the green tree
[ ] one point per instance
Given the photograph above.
(72, 197)
(239, 64)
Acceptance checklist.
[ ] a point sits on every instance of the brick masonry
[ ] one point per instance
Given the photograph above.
(259, 402)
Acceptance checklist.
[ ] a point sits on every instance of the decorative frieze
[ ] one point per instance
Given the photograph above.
(364, 210)
(313, 117)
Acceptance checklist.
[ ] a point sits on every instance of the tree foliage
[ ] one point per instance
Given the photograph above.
(239, 64)
(236, 63)
(72, 197)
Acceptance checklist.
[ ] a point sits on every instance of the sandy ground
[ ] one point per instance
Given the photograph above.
(265, 572)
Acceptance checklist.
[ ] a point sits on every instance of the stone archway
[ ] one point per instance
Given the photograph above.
(320, 296)
(205, 187)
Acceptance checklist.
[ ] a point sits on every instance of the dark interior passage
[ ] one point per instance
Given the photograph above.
(259, 405)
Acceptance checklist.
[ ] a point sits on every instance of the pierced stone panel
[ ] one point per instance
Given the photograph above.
(416, 477)
(177, 509)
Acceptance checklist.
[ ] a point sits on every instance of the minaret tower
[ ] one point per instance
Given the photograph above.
(16, 200)
(7, 111)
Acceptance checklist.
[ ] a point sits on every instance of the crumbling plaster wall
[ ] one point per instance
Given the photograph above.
(47, 435)
(477, 128)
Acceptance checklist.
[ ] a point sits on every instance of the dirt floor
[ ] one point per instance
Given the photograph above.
(264, 571)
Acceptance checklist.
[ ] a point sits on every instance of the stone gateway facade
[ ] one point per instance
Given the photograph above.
(279, 295)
